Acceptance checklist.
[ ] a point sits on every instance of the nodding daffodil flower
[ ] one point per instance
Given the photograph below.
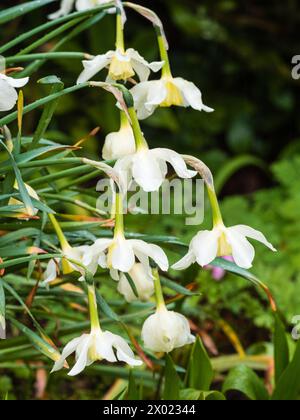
(121, 143)
(143, 282)
(221, 242)
(166, 92)
(66, 6)
(119, 255)
(122, 66)
(165, 331)
(97, 345)
(76, 254)
(149, 167)
(8, 93)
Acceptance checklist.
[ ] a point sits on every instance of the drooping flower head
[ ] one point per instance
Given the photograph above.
(165, 330)
(206, 246)
(166, 92)
(122, 63)
(97, 346)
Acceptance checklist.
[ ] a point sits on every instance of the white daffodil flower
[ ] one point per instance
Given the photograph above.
(166, 92)
(66, 7)
(149, 167)
(165, 331)
(143, 282)
(221, 242)
(119, 255)
(122, 66)
(74, 254)
(8, 93)
(121, 143)
(95, 346)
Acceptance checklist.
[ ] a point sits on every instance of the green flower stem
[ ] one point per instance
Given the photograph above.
(217, 215)
(166, 71)
(159, 296)
(140, 140)
(62, 239)
(93, 308)
(119, 215)
(120, 43)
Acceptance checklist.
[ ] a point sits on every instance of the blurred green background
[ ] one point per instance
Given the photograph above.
(239, 53)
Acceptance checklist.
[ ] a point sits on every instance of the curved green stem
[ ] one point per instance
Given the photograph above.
(216, 211)
(93, 308)
(159, 296)
(166, 71)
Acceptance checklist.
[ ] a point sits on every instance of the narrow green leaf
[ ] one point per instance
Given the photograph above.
(241, 272)
(22, 188)
(245, 380)
(288, 387)
(172, 381)
(50, 24)
(200, 372)
(41, 345)
(56, 86)
(20, 10)
(133, 392)
(181, 290)
(2, 312)
(9, 238)
(281, 348)
(105, 308)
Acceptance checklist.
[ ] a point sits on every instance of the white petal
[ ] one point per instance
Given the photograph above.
(124, 352)
(147, 172)
(65, 9)
(82, 5)
(51, 272)
(185, 262)
(152, 251)
(205, 246)
(191, 94)
(176, 160)
(96, 250)
(68, 350)
(82, 360)
(104, 346)
(94, 66)
(123, 167)
(17, 83)
(8, 96)
(148, 96)
(114, 274)
(123, 257)
(253, 234)
(243, 252)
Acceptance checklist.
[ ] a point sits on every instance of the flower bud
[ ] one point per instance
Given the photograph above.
(165, 331)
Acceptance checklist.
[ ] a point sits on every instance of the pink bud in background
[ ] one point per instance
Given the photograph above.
(219, 273)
